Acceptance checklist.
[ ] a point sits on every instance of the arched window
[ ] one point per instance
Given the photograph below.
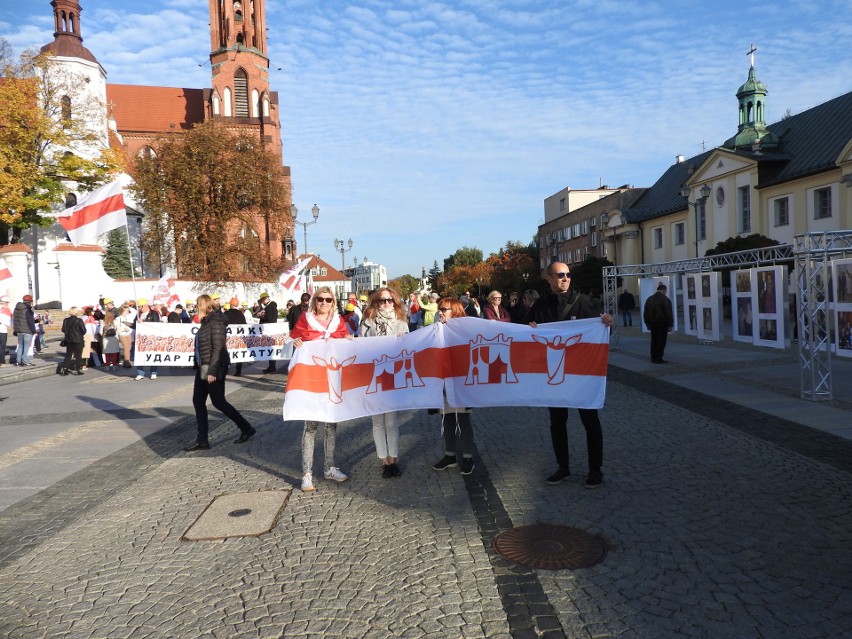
(227, 101)
(255, 102)
(215, 104)
(66, 111)
(265, 105)
(241, 104)
(147, 153)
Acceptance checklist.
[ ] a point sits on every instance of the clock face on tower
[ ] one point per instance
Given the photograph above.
(720, 196)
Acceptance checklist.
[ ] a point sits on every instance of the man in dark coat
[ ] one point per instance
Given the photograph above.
(626, 304)
(23, 325)
(659, 318)
(235, 316)
(296, 310)
(556, 304)
(267, 313)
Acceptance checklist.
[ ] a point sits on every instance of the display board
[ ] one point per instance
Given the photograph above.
(689, 284)
(842, 307)
(768, 297)
(742, 305)
(709, 306)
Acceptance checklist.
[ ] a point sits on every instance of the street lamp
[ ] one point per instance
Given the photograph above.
(700, 202)
(315, 212)
(340, 245)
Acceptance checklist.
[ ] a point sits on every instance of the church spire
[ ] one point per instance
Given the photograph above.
(752, 133)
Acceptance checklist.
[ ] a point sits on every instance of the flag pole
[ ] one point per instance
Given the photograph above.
(130, 255)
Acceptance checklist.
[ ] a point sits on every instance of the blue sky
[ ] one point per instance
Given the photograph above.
(419, 127)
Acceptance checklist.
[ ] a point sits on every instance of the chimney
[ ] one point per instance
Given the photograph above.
(679, 159)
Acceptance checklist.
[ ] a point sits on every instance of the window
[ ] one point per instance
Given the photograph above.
(66, 111)
(701, 219)
(562, 204)
(241, 101)
(744, 201)
(679, 234)
(594, 239)
(822, 203)
(658, 237)
(782, 211)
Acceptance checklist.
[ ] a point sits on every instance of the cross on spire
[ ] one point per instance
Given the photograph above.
(751, 54)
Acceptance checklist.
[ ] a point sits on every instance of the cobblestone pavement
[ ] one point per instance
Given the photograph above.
(717, 525)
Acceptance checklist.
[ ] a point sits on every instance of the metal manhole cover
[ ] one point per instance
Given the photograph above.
(238, 515)
(550, 547)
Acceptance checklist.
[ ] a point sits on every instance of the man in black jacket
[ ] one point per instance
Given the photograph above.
(267, 313)
(23, 325)
(235, 316)
(659, 318)
(557, 304)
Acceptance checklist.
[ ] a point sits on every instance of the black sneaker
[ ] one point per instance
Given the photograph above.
(558, 477)
(594, 479)
(387, 471)
(466, 466)
(447, 461)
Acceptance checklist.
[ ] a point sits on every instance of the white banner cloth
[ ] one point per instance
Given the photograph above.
(477, 362)
(100, 211)
(164, 344)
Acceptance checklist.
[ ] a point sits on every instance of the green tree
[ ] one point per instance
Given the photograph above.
(48, 138)
(734, 244)
(213, 201)
(404, 285)
(465, 256)
(116, 259)
(588, 275)
(434, 272)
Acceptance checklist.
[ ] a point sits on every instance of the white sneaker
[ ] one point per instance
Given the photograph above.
(140, 376)
(335, 474)
(307, 483)
(153, 376)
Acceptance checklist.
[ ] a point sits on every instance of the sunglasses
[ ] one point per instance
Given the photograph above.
(445, 310)
(385, 300)
(562, 276)
(327, 300)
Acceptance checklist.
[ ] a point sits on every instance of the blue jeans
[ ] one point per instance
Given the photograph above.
(627, 318)
(23, 352)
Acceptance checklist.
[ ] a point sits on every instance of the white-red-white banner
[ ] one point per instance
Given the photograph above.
(164, 292)
(100, 211)
(475, 362)
(164, 344)
(5, 274)
(292, 281)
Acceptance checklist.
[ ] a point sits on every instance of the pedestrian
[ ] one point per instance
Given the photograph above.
(295, 311)
(458, 437)
(659, 318)
(495, 310)
(385, 316)
(350, 317)
(111, 342)
(412, 312)
(24, 328)
(234, 316)
(74, 330)
(517, 310)
(5, 325)
(560, 302)
(124, 326)
(626, 304)
(211, 355)
(428, 309)
(320, 321)
(267, 313)
(146, 313)
(467, 304)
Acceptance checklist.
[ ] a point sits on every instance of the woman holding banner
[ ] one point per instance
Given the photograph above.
(320, 321)
(458, 437)
(385, 316)
(211, 355)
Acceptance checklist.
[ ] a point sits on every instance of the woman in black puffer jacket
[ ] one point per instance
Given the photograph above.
(211, 355)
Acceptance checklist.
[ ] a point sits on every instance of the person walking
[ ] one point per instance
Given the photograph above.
(626, 304)
(74, 330)
(458, 437)
(561, 302)
(385, 316)
(211, 355)
(23, 326)
(320, 321)
(659, 318)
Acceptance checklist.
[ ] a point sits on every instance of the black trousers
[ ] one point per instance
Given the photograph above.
(559, 436)
(659, 335)
(73, 353)
(216, 392)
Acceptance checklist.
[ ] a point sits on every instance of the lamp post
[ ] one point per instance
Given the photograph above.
(340, 245)
(700, 202)
(315, 212)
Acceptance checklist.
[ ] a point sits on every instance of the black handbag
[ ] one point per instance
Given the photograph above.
(110, 332)
(63, 343)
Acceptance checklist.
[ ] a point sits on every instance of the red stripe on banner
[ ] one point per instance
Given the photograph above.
(5, 274)
(92, 212)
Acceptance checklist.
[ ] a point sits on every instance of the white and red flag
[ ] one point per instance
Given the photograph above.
(100, 211)
(292, 280)
(5, 272)
(165, 292)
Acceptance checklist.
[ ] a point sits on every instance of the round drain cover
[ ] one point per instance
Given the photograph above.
(550, 547)
(240, 512)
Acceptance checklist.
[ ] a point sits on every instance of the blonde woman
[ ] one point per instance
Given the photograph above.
(495, 309)
(385, 316)
(320, 321)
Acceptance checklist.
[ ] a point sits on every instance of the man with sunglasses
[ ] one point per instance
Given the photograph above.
(560, 303)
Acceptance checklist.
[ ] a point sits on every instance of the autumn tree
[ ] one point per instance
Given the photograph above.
(515, 267)
(474, 278)
(49, 139)
(213, 201)
(404, 285)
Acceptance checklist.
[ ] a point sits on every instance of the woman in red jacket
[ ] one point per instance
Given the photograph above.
(320, 321)
(495, 310)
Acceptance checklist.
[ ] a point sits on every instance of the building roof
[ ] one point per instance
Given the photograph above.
(69, 46)
(664, 196)
(332, 274)
(155, 109)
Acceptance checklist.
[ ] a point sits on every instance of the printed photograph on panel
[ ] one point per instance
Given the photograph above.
(705, 286)
(766, 292)
(708, 320)
(743, 282)
(690, 287)
(769, 330)
(744, 316)
(843, 277)
(844, 332)
(693, 318)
